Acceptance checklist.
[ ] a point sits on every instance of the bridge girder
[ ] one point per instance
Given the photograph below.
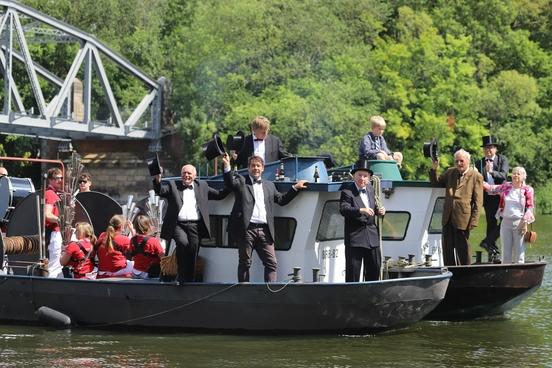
(56, 117)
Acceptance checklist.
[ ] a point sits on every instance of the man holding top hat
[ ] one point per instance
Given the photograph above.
(260, 143)
(251, 221)
(463, 199)
(494, 168)
(187, 217)
(362, 242)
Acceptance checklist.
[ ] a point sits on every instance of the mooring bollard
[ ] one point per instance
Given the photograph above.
(315, 274)
(296, 275)
(428, 260)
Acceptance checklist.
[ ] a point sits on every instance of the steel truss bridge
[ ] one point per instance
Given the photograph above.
(80, 104)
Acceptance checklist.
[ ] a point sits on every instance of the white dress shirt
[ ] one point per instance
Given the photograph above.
(364, 197)
(259, 148)
(189, 211)
(490, 178)
(259, 210)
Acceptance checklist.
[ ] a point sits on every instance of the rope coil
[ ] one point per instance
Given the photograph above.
(21, 244)
(376, 183)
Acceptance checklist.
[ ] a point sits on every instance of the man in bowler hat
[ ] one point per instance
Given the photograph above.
(187, 217)
(251, 221)
(362, 242)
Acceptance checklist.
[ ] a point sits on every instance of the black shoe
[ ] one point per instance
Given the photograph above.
(484, 246)
(494, 257)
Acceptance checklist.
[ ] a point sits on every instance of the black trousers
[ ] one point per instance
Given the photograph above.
(490, 204)
(186, 237)
(456, 240)
(257, 237)
(355, 256)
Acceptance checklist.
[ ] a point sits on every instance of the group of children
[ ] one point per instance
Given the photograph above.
(114, 254)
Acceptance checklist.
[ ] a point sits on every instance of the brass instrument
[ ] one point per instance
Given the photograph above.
(130, 211)
(154, 210)
(67, 201)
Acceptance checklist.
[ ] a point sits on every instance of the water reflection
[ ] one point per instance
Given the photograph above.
(519, 339)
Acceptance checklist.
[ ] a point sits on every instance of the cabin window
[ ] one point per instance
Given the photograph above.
(331, 222)
(283, 226)
(395, 224)
(435, 225)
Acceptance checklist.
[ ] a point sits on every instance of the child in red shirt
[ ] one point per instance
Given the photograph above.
(146, 250)
(112, 249)
(79, 255)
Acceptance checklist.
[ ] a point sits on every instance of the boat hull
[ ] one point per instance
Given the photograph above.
(246, 307)
(485, 290)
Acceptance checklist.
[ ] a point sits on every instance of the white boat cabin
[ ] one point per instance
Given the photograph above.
(309, 230)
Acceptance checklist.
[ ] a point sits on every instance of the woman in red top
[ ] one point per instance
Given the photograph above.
(79, 254)
(112, 248)
(146, 250)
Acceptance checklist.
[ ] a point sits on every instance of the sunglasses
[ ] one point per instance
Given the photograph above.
(83, 181)
(57, 177)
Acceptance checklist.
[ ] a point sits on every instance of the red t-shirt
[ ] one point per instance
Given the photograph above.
(115, 260)
(80, 265)
(51, 197)
(143, 262)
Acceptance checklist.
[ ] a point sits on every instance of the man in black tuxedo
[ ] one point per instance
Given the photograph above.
(187, 217)
(494, 168)
(251, 221)
(362, 243)
(269, 147)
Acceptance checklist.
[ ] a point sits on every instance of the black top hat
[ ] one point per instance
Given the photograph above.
(328, 160)
(362, 164)
(489, 140)
(431, 149)
(213, 148)
(235, 142)
(153, 165)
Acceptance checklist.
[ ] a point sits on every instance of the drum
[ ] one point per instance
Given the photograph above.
(12, 191)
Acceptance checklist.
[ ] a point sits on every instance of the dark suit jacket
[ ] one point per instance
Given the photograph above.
(463, 198)
(360, 229)
(274, 150)
(499, 175)
(172, 191)
(245, 202)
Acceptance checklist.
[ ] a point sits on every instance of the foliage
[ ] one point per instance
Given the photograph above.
(318, 69)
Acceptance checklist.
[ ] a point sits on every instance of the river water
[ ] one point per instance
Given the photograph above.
(521, 338)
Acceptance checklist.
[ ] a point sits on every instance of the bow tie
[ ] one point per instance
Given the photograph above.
(188, 187)
(258, 181)
(362, 190)
(258, 140)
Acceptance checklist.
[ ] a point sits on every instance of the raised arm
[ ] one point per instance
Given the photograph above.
(160, 188)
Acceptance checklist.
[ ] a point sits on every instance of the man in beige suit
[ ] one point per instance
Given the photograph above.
(463, 200)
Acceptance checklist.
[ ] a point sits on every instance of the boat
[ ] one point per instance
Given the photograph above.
(412, 229)
(282, 307)
(487, 290)
(295, 304)
(411, 238)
